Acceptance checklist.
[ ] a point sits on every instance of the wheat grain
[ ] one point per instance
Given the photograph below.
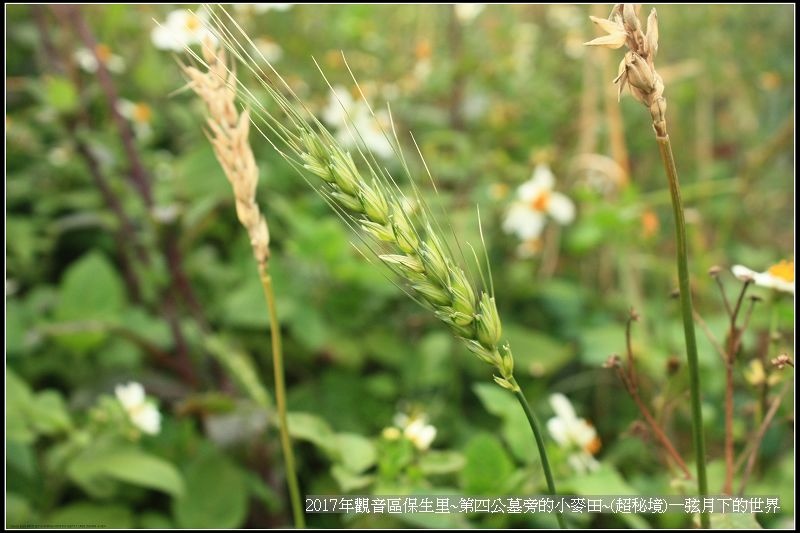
(229, 131)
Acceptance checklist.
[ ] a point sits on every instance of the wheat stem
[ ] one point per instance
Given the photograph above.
(280, 398)
(229, 131)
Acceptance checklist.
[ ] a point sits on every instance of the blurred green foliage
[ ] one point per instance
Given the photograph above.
(104, 286)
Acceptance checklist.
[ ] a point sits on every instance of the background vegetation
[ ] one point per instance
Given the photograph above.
(125, 262)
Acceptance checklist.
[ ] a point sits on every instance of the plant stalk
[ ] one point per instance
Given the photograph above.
(537, 434)
(665, 148)
(280, 398)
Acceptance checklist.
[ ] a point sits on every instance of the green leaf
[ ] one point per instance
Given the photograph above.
(515, 428)
(19, 400)
(441, 462)
(18, 511)
(216, 495)
(105, 516)
(487, 466)
(130, 466)
(349, 480)
(91, 291)
(49, 413)
(535, 353)
(60, 93)
(151, 520)
(240, 367)
(734, 521)
(356, 453)
(305, 426)
(598, 343)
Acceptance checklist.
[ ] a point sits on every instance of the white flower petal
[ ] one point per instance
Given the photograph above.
(130, 395)
(543, 176)
(743, 273)
(531, 189)
(147, 418)
(164, 38)
(765, 279)
(558, 430)
(524, 222)
(468, 12)
(562, 407)
(561, 208)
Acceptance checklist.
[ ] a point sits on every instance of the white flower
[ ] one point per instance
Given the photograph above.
(270, 50)
(536, 200)
(574, 434)
(181, 29)
(468, 12)
(779, 276)
(416, 429)
(355, 125)
(144, 414)
(139, 113)
(87, 59)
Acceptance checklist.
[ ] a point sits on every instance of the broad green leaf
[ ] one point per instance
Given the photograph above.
(216, 495)
(128, 465)
(151, 520)
(441, 462)
(18, 511)
(93, 515)
(49, 413)
(487, 466)
(535, 353)
(240, 367)
(598, 343)
(305, 426)
(348, 480)
(60, 93)
(515, 428)
(734, 521)
(91, 291)
(19, 401)
(356, 453)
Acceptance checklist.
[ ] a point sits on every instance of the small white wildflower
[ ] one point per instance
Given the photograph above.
(574, 434)
(270, 50)
(87, 59)
(779, 276)
(468, 12)
(140, 114)
(536, 200)
(355, 125)
(143, 413)
(416, 429)
(181, 29)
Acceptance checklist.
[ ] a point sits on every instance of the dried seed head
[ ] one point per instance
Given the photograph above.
(637, 70)
(714, 271)
(782, 361)
(229, 132)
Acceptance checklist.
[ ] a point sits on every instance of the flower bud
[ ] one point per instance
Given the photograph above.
(490, 357)
(432, 293)
(433, 258)
(345, 200)
(379, 231)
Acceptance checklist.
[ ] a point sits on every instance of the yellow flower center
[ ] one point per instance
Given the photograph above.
(142, 113)
(541, 201)
(650, 224)
(593, 446)
(193, 23)
(103, 52)
(783, 270)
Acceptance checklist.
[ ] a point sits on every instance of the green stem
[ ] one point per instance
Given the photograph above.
(665, 148)
(537, 434)
(280, 399)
